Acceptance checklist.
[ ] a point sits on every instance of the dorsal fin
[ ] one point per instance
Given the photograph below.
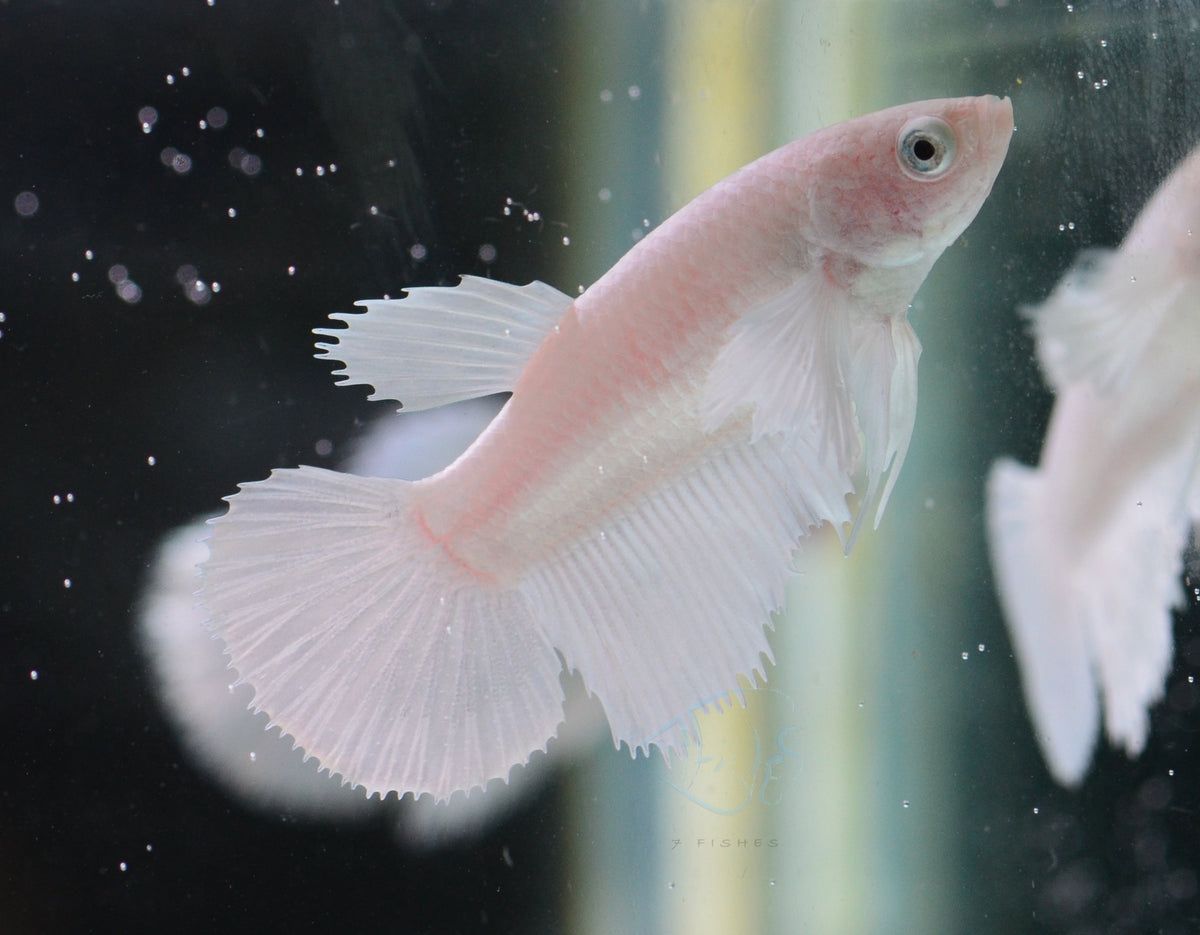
(442, 344)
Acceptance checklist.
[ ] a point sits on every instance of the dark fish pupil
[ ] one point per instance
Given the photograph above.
(924, 150)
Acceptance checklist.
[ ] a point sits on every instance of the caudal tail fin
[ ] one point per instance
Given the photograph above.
(382, 655)
(1045, 620)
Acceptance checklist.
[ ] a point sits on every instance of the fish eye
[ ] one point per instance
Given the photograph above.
(925, 147)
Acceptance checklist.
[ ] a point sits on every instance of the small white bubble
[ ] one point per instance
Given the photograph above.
(606, 96)
(557, 329)
(320, 171)
(906, 803)
(56, 499)
(1080, 75)
(66, 582)
(215, 286)
(88, 255)
(605, 194)
(299, 171)
(566, 241)
(150, 847)
(33, 675)
(291, 271)
(1104, 43)
(151, 460)
(635, 92)
(508, 332)
(170, 79)
(982, 647)
(253, 757)
(260, 133)
(74, 277)
(671, 885)
(603, 535)
(26, 204)
(1036, 810)
(203, 124)
(333, 167)
(124, 866)
(185, 71)
(373, 210)
(600, 468)
(966, 656)
(1170, 772)
(232, 212)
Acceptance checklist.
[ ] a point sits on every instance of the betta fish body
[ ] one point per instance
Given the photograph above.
(1087, 548)
(631, 512)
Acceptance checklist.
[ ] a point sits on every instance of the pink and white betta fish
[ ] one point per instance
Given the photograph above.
(672, 434)
(1087, 548)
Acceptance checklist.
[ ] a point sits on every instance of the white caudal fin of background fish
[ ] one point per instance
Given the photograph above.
(631, 512)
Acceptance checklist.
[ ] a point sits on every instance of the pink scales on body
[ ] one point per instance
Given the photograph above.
(672, 435)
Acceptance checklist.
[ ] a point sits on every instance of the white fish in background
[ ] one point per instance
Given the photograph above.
(1087, 549)
(631, 512)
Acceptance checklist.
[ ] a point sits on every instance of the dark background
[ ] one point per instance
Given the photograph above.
(456, 96)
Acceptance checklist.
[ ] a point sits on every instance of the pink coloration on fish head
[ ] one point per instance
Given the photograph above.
(928, 165)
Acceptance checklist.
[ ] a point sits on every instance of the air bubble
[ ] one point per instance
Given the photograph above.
(26, 204)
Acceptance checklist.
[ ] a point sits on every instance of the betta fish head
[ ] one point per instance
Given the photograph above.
(896, 187)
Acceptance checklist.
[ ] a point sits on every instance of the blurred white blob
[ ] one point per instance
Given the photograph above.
(26, 204)
(232, 744)
(1088, 547)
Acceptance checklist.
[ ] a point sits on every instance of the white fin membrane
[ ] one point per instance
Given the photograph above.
(844, 372)
(393, 665)
(442, 344)
(366, 642)
(1085, 616)
(1048, 632)
(1099, 321)
(662, 609)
